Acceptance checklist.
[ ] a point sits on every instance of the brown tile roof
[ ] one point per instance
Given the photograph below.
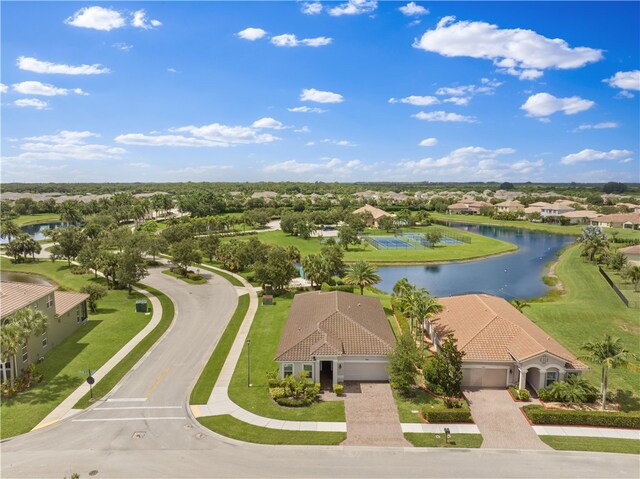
(581, 214)
(488, 328)
(377, 213)
(508, 203)
(15, 295)
(334, 323)
(65, 301)
(458, 206)
(633, 218)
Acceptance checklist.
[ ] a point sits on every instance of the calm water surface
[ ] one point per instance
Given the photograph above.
(35, 231)
(23, 278)
(514, 275)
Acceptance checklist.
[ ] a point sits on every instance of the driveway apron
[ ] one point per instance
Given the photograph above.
(372, 416)
(500, 420)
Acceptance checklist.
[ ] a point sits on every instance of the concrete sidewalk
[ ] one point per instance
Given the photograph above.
(578, 431)
(65, 408)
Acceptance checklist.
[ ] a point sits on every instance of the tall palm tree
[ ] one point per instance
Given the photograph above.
(11, 341)
(609, 353)
(362, 274)
(9, 230)
(422, 306)
(519, 304)
(632, 273)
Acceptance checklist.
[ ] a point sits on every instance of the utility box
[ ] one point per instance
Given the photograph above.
(267, 300)
(142, 306)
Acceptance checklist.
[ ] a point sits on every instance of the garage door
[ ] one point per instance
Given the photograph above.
(487, 378)
(365, 371)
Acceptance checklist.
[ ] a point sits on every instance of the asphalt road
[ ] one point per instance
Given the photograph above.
(143, 429)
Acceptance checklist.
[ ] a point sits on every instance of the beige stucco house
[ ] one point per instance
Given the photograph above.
(619, 220)
(375, 214)
(510, 206)
(336, 337)
(501, 345)
(632, 253)
(65, 313)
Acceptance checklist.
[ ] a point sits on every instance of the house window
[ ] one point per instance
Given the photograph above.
(308, 368)
(49, 301)
(25, 354)
(287, 370)
(44, 341)
(551, 377)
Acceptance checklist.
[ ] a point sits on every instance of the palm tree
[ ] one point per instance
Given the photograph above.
(16, 331)
(519, 304)
(8, 229)
(362, 274)
(610, 354)
(10, 343)
(632, 273)
(421, 307)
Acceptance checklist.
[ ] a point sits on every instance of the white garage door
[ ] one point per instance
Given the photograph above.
(365, 371)
(487, 378)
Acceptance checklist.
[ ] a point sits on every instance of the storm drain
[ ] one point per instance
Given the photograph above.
(138, 434)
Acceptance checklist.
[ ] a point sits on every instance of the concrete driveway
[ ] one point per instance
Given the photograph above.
(372, 415)
(500, 420)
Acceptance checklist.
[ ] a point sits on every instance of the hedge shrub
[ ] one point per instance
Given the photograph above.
(447, 415)
(340, 287)
(540, 415)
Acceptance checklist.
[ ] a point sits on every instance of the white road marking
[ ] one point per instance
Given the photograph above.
(126, 399)
(135, 407)
(160, 418)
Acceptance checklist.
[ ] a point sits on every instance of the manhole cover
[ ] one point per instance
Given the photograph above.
(138, 434)
(188, 426)
(93, 473)
(200, 436)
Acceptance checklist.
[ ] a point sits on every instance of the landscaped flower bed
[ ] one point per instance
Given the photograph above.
(446, 415)
(540, 415)
(520, 395)
(292, 392)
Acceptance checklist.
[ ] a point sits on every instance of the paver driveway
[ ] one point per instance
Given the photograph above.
(500, 421)
(372, 415)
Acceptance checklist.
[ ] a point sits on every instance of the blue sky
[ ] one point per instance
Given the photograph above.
(319, 91)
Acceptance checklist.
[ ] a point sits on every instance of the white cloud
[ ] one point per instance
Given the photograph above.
(66, 145)
(213, 135)
(329, 166)
(416, 100)
(338, 142)
(140, 165)
(198, 170)
(97, 18)
(627, 160)
(625, 94)
(588, 155)
(139, 20)
(3, 88)
(304, 129)
(43, 89)
(306, 109)
(354, 7)
(319, 96)
(252, 34)
(412, 9)
(544, 104)
(466, 157)
(625, 80)
(457, 100)
(294, 166)
(517, 51)
(487, 87)
(172, 70)
(268, 122)
(429, 142)
(125, 47)
(37, 66)
(311, 8)
(31, 103)
(290, 40)
(598, 126)
(444, 116)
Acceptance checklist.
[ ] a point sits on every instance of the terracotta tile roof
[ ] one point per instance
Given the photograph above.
(633, 218)
(458, 206)
(509, 203)
(488, 328)
(65, 301)
(15, 295)
(334, 323)
(581, 214)
(375, 212)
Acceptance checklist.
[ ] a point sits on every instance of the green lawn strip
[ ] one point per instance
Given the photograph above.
(231, 427)
(421, 399)
(419, 439)
(229, 277)
(265, 334)
(593, 444)
(625, 286)
(588, 310)
(576, 230)
(183, 278)
(210, 373)
(479, 247)
(89, 347)
(39, 218)
(124, 366)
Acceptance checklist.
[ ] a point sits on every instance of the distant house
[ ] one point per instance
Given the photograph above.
(336, 337)
(65, 313)
(632, 253)
(501, 345)
(375, 214)
(619, 220)
(265, 195)
(581, 217)
(510, 206)
(467, 207)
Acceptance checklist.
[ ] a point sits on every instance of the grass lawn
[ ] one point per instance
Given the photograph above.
(211, 371)
(265, 334)
(437, 440)
(231, 427)
(90, 346)
(479, 247)
(625, 286)
(36, 219)
(588, 310)
(406, 405)
(232, 279)
(549, 228)
(184, 278)
(593, 444)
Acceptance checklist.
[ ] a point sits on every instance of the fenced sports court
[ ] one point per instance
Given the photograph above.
(415, 240)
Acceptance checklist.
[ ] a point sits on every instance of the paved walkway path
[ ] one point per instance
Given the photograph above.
(372, 416)
(500, 420)
(587, 431)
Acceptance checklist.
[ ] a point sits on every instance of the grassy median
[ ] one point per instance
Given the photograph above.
(419, 439)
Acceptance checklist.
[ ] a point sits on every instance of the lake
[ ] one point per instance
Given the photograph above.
(24, 278)
(35, 231)
(510, 276)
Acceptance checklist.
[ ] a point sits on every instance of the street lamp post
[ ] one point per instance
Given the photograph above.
(248, 362)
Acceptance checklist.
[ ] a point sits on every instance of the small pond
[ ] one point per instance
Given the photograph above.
(24, 278)
(35, 231)
(513, 275)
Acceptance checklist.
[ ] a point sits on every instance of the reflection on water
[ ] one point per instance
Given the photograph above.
(35, 231)
(23, 278)
(515, 275)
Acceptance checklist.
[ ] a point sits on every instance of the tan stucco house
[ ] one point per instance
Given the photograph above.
(65, 313)
(510, 206)
(632, 253)
(619, 220)
(336, 337)
(501, 345)
(376, 214)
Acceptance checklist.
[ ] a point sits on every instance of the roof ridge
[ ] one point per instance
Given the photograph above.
(360, 326)
(495, 315)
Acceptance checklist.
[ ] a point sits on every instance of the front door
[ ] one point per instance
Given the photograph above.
(326, 374)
